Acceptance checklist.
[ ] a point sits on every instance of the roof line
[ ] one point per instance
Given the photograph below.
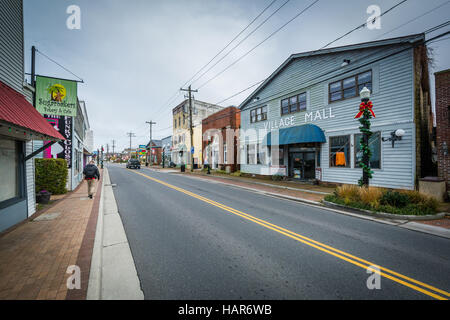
(377, 43)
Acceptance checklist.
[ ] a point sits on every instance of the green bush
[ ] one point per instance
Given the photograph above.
(277, 177)
(51, 175)
(220, 171)
(396, 202)
(236, 174)
(395, 199)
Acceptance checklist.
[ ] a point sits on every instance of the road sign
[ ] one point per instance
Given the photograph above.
(192, 150)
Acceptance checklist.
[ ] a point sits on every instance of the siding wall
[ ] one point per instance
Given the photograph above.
(11, 44)
(392, 97)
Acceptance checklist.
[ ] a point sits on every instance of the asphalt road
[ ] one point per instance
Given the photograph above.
(197, 246)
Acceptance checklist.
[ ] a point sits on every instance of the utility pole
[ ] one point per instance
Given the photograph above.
(33, 73)
(191, 130)
(113, 146)
(107, 151)
(149, 158)
(131, 135)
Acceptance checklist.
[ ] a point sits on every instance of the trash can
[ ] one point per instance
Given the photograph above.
(183, 168)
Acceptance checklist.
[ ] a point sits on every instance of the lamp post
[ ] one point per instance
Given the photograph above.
(365, 110)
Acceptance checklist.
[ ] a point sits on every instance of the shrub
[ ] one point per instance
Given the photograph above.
(51, 175)
(349, 193)
(220, 171)
(236, 174)
(422, 200)
(277, 177)
(371, 196)
(394, 199)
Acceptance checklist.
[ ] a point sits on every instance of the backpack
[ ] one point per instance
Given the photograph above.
(90, 171)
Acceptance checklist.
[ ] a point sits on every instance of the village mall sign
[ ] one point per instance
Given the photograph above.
(312, 116)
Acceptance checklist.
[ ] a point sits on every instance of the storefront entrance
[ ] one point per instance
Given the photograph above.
(302, 165)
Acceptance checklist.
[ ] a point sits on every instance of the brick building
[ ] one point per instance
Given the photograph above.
(443, 124)
(220, 133)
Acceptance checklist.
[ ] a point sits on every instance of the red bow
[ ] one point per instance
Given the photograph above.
(364, 106)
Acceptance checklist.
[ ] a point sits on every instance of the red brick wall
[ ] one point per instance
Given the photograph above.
(443, 123)
(228, 117)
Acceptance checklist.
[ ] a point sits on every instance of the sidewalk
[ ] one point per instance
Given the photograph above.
(34, 256)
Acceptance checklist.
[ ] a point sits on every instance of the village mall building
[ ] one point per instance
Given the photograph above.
(301, 121)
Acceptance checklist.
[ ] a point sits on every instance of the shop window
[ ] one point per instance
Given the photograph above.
(9, 170)
(375, 148)
(340, 151)
(261, 155)
(349, 87)
(251, 154)
(225, 153)
(293, 104)
(258, 114)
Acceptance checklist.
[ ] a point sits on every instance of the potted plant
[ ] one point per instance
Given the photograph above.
(43, 197)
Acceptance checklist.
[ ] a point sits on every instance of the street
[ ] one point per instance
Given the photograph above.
(196, 239)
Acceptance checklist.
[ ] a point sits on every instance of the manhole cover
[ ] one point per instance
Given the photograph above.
(47, 216)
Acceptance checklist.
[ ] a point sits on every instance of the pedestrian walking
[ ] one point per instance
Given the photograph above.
(91, 173)
(207, 166)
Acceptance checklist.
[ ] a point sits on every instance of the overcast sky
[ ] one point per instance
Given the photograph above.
(134, 55)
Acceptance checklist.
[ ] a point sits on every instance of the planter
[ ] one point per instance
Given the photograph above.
(43, 198)
(384, 214)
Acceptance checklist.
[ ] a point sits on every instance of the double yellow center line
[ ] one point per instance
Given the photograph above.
(385, 272)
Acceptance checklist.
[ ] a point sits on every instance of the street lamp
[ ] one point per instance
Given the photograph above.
(396, 135)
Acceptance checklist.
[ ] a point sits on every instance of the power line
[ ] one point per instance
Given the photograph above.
(260, 43)
(177, 93)
(414, 19)
(442, 25)
(236, 94)
(362, 25)
(310, 82)
(240, 42)
(46, 56)
(229, 43)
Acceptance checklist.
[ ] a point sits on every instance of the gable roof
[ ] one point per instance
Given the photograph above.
(392, 41)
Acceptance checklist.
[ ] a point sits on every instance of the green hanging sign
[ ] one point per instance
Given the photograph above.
(56, 96)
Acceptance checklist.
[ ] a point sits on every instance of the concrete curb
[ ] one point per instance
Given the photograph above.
(387, 215)
(113, 272)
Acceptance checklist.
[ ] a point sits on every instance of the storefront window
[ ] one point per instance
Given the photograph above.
(375, 148)
(251, 156)
(261, 155)
(9, 169)
(225, 153)
(340, 151)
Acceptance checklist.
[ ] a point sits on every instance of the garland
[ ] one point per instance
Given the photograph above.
(365, 110)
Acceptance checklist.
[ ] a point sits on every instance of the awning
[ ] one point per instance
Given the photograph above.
(17, 114)
(307, 133)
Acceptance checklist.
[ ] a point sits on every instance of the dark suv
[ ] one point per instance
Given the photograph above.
(133, 163)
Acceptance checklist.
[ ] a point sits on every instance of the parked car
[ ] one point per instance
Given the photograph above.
(133, 164)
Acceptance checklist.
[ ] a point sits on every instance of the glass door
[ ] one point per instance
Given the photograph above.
(302, 165)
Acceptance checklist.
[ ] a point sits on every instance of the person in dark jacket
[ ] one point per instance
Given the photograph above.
(91, 173)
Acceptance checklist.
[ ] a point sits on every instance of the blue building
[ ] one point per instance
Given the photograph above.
(301, 121)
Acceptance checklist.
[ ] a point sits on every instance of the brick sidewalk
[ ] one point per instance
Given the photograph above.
(34, 256)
